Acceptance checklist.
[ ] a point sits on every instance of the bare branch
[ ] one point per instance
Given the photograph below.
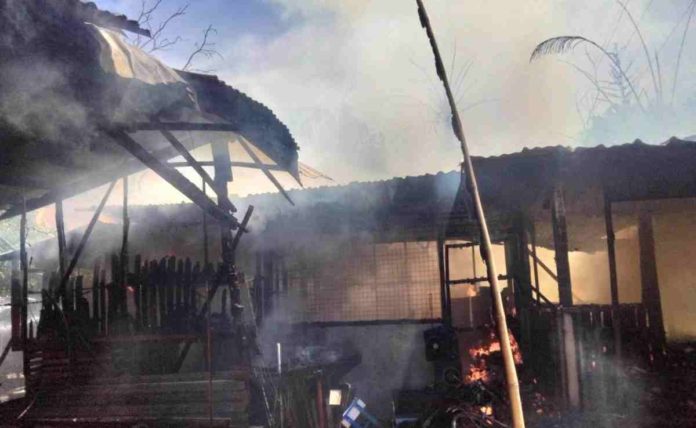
(146, 18)
(205, 48)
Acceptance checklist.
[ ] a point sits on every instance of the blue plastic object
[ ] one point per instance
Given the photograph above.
(355, 416)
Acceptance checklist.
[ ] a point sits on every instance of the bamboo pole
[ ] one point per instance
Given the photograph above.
(501, 323)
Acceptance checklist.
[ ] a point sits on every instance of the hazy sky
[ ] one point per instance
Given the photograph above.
(354, 80)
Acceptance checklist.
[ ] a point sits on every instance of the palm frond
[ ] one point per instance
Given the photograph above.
(558, 45)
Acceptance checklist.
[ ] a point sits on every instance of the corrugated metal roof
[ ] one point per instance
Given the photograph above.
(73, 83)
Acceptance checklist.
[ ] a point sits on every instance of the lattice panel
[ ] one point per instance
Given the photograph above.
(395, 281)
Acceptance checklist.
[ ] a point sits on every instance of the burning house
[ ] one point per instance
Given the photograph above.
(82, 109)
(391, 271)
(305, 308)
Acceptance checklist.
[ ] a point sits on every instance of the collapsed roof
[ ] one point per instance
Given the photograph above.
(68, 81)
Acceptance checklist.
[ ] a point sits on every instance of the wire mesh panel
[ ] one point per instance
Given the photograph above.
(367, 282)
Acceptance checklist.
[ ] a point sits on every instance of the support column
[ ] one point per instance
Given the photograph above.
(123, 274)
(560, 243)
(566, 326)
(60, 233)
(613, 277)
(444, 313)
(648, 276)
(223, 175)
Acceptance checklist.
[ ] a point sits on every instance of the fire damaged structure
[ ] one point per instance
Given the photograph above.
(286, 309)
(594, 244)
(81, 108)
(594, 250)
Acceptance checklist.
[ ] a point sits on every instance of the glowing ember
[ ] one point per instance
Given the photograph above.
(479, 371)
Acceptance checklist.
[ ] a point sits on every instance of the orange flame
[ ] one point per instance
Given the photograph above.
(478, 371)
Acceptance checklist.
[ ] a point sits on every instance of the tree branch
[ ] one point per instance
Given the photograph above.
(205, 48)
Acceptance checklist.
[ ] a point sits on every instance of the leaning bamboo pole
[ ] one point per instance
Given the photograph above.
(501, 323)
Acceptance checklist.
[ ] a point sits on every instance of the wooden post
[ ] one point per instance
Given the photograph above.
(123, 274)
(537, 284)
(613, 276)
(443, 279)
(161, 280)
(85, 236)
(648, 276)
(223, 175)
(321, 404)
(24, 263)
(171, 285)
(153, 301)
(95, 295)
(205, 233)
(102, 301)
(187, 285)
(447, 316)
(137, 295)
(522, 282)
(24, 266)
(60, 235)
(570, 352)
(560, 241)
(16, 310)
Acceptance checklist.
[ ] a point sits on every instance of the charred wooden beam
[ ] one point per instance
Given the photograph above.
(83, 242)
(182, 126)
(613, 276)
(5, 351)
(474, 281)
(263, 168)
(102, 301)
(205, 234)
(60, 232)
(16, 311)
(87, 182)
(173, 177)
(190, 161)
(24, 265)
(611, 252)
(535, 259)
(25, 290)
(237, 164)
(243, 228)
(123, 274)
(137, 292)
(560, 241)
(543, 265)
(648, 276)
(443, 279)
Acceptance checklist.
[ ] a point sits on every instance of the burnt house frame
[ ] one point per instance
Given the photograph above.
(554, 187)
(36, 172)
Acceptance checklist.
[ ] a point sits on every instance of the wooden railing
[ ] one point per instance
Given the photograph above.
(156, 296)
